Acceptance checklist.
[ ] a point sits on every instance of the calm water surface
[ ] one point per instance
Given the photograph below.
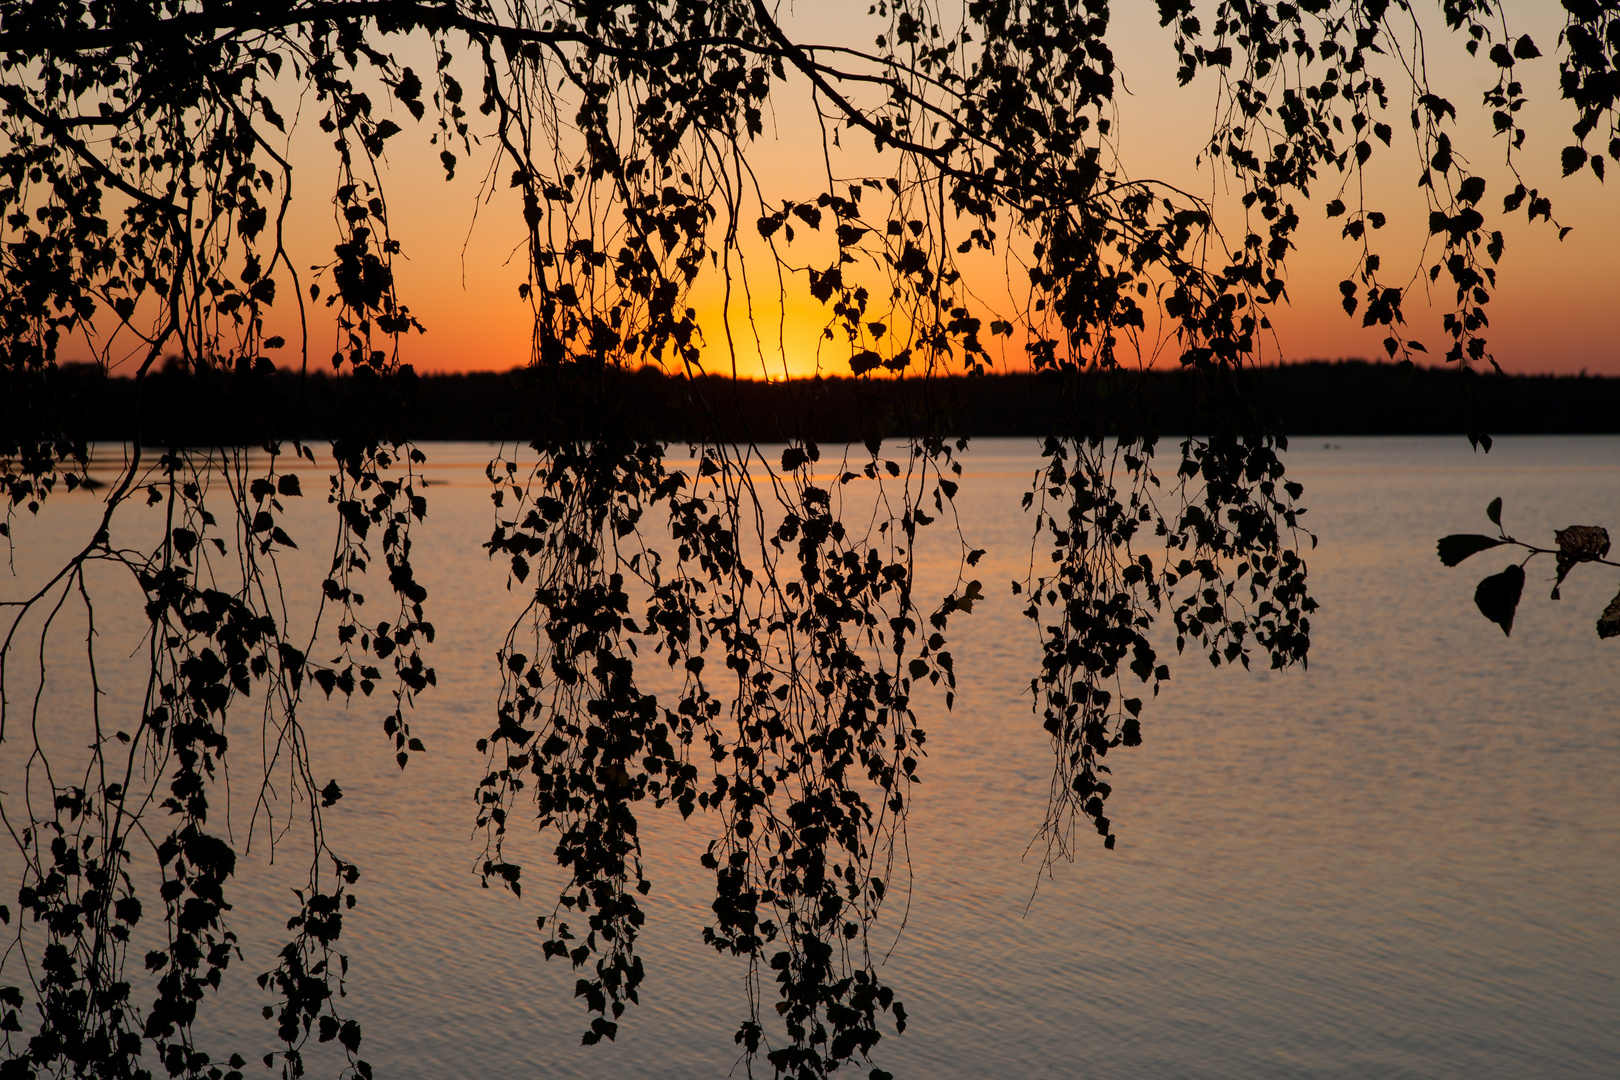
(1403, 862)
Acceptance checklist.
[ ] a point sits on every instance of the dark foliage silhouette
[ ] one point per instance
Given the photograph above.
(144, 197)
(1498, 595)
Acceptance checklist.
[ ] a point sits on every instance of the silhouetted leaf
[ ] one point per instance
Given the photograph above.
(1578, 544)
(1497, 597)
(1583, 543)
(127, 909)
(1608, 624)
(1494, 511)
(1459, 546)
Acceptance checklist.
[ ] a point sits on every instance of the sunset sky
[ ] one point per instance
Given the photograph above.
(1554, 310)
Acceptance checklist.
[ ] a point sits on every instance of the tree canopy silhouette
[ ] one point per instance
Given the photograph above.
(144, 184)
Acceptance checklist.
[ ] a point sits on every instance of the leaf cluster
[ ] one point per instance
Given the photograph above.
(1498, 595)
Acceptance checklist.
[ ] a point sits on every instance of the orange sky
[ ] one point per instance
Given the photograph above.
(1554, 310)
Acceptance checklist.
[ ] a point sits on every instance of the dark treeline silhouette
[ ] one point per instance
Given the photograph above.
(1315, 398)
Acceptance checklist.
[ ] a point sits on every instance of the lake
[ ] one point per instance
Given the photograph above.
(1401, 862)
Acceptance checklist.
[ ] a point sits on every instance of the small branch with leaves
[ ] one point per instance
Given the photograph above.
(1497, 596)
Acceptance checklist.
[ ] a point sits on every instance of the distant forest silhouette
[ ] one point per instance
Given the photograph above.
(1351, 397)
